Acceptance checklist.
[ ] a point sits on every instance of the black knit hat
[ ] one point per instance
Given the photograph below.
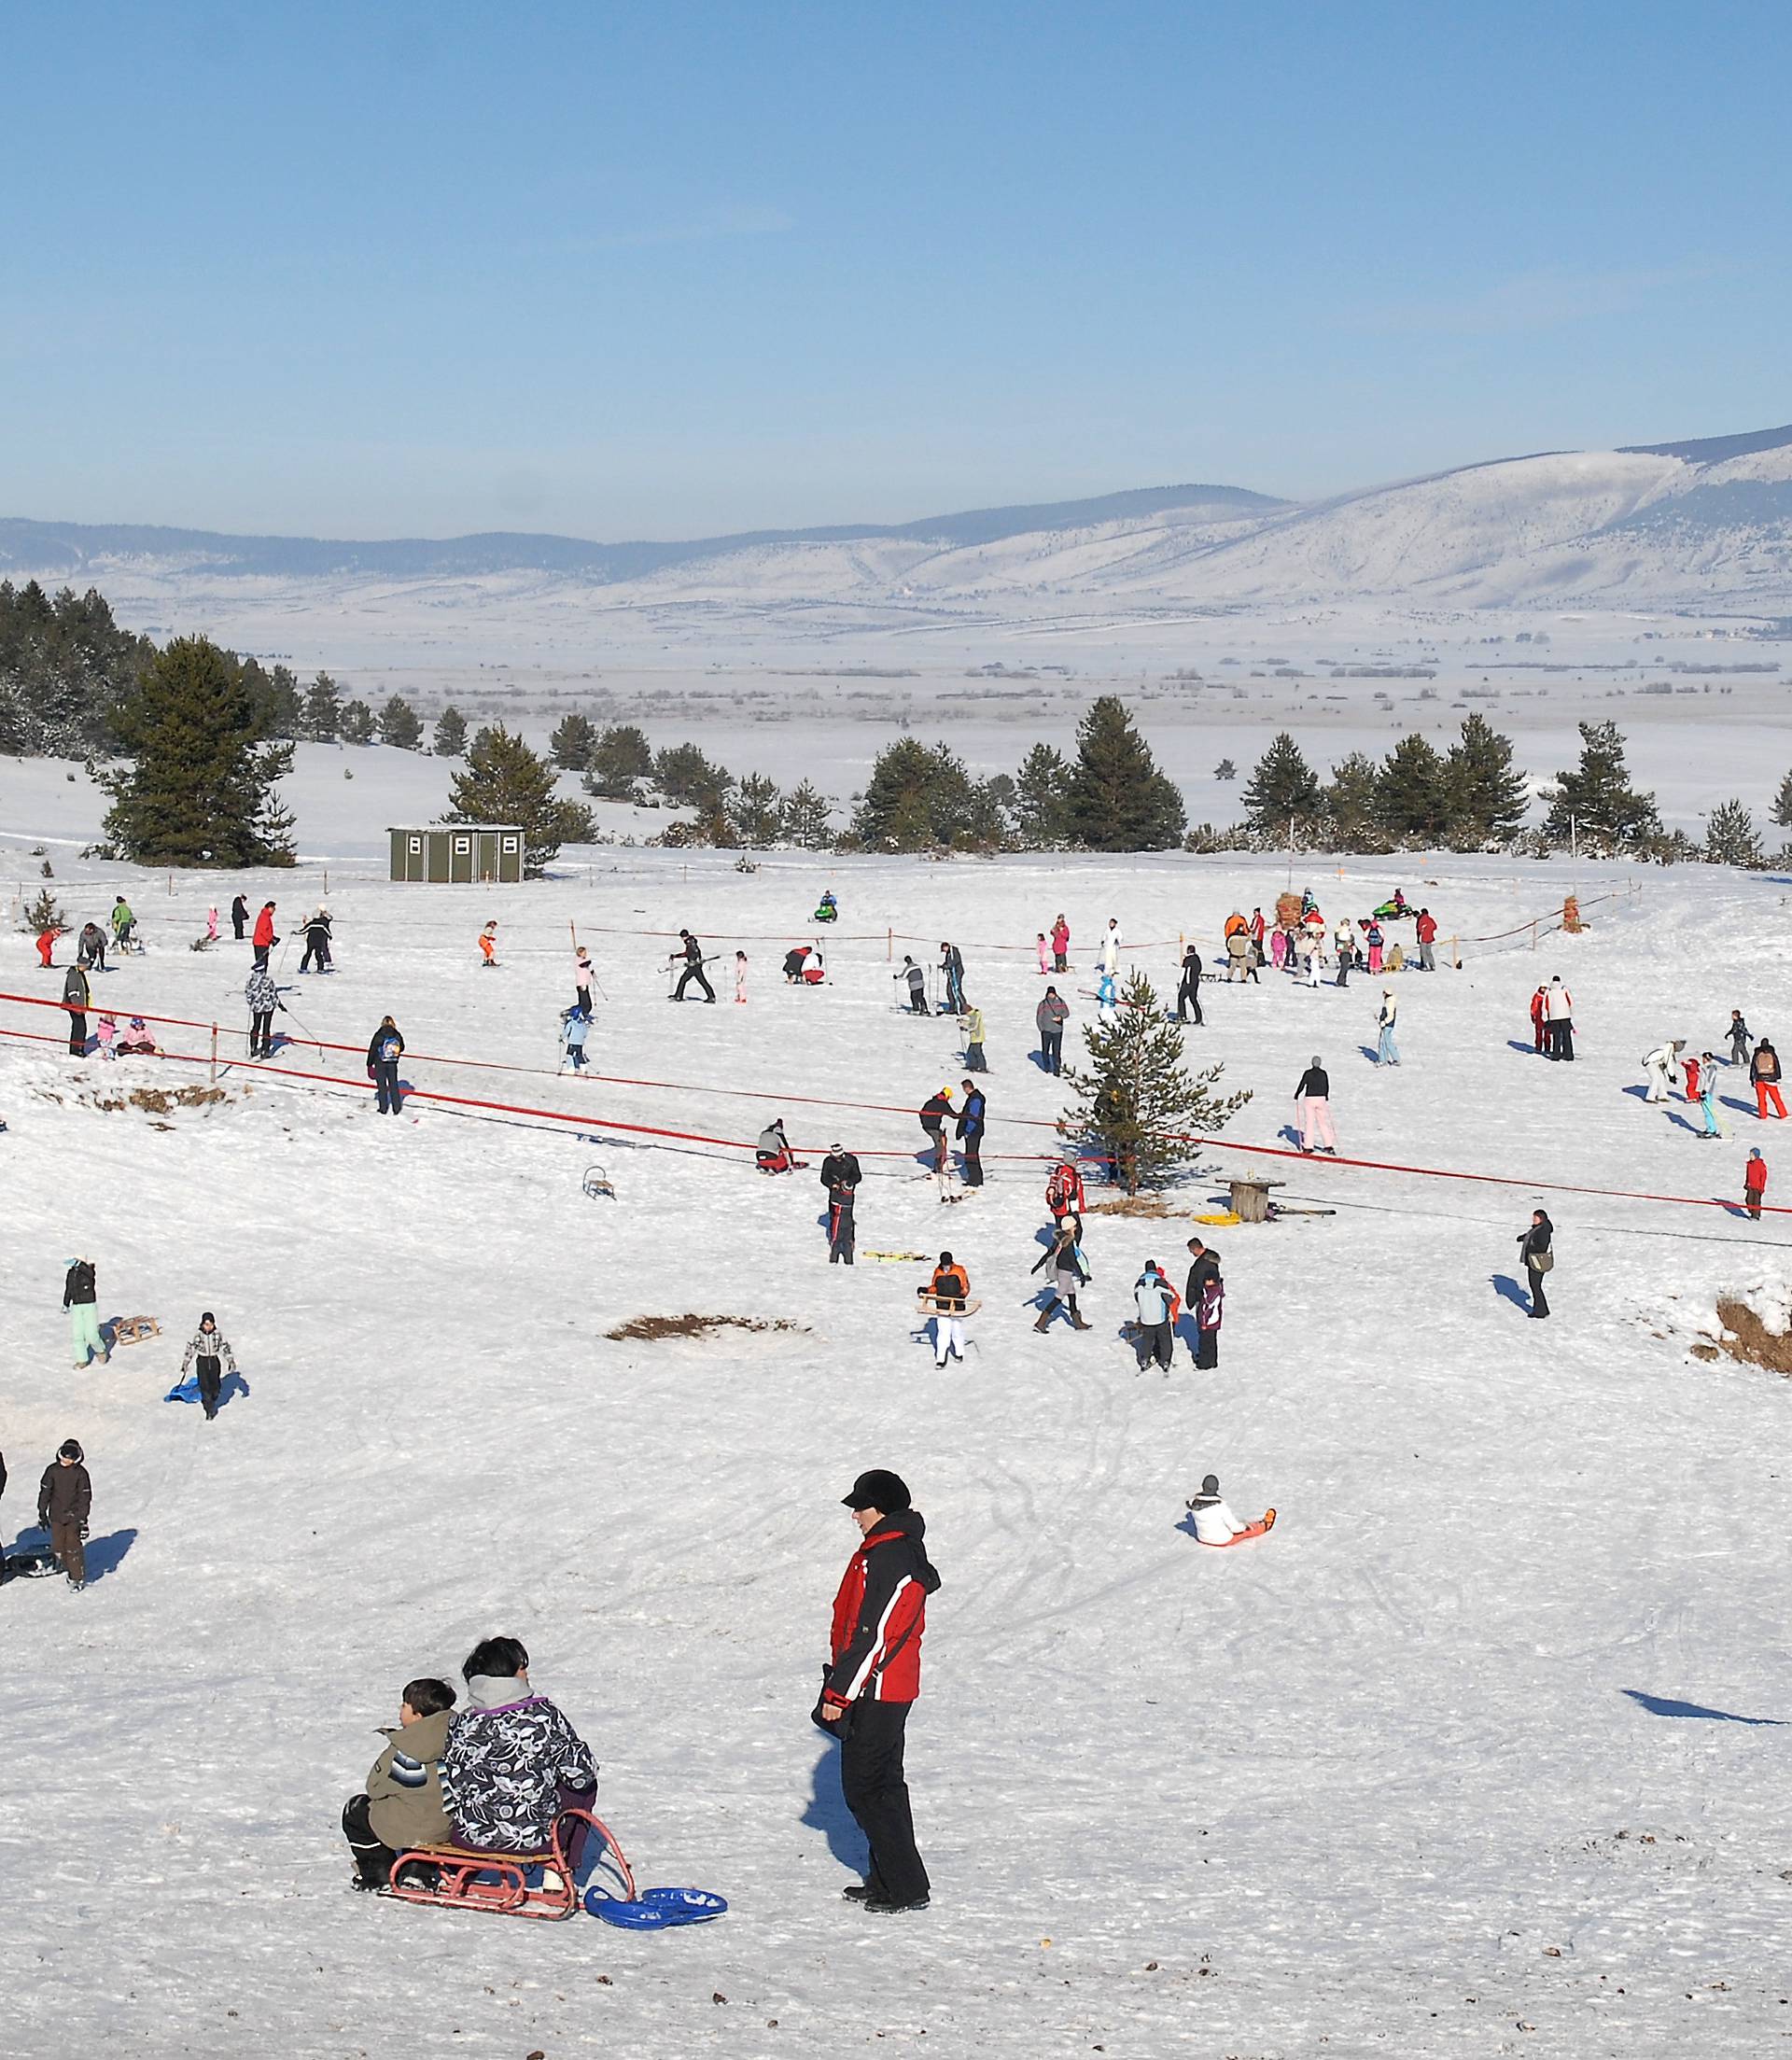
(879, 1488)
(1210, 1485)
(70, 1448)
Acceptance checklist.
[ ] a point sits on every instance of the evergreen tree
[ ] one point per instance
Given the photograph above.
(1487, 796)
(1118, 799)
(1782, 804)
(198, 787)
(755, 812)
(1041, 804)
(64, 664)
(688, 779)
(1283, 790)
(505, 781)
(1137, 1105)
(619, 760)
(571, 742)
(323, 710)
(920, 796)
(805, 818)
(1354, 806)
(451, 733)
(1606, 813)
(286, 714)
(400, 725)
(1731, 838)
(1413, 793)
(357, 722)
(1226, 769)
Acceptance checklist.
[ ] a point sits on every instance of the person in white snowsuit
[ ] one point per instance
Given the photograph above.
(1659, 1065)
(1108, 957)
(1214, 1522)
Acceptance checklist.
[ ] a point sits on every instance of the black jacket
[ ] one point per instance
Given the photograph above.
(317, 930)
(692, 948)
(1315, 1082)
(78, 1286)
(1190, 967)
(971, 1117)
(374, 1045)
(1200, 1274)
(64, 1494)
(1535, 1240)
(935, 1110)
(841, 1170)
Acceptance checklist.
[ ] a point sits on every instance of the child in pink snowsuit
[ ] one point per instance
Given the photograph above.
(1045, 954)
(105, 1031)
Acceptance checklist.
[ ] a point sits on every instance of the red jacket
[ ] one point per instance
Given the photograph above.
(1755, 1176)
(263, 929)
(1426, 929)
(879, 1616)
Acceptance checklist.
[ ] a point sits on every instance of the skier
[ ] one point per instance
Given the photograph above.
(123, 923)
(740, 977)
(210, 1347)
(1737, 1039)
(874, 1677)
(949, 1290)
(935, 1112)
(1314, 1097)
(1189, 994)
(75, 998)
(47, 943)
(512, 1757)
(952, 966)
(89, 948)
(489, 947)
(1050, 1016)
(1764, 1071)
(264, 939)
(1108, 957)
(1155, 1302)
(80, 1298)
(1534, 1250)
(581, 979)
(1539, 1002)
(575, 1029)
(970, 1132)
(840, 1175)
(1387, 1052)
(690, 952)
(1425, 928)
(1215, 1525)
(1658, 1064)
(1208, 1313)
(970, 1029)
(384, 1049)
(263, 997)
(1064, 1191)
(239, 917)
(841, 1168)
(1754, 1182)
(1060, 946)
(772, 1153)
(401, 1806)
(64, 1503)
(1070, 1275)
(917, 987)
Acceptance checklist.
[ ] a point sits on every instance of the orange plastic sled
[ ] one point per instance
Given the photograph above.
(1265, 1522)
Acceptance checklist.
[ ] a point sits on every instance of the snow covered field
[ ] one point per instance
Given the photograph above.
(1475, 1754)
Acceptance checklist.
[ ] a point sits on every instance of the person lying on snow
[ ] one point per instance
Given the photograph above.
(773, 1152)
(1215, 1525)
(513, 1761)
(402, 1805)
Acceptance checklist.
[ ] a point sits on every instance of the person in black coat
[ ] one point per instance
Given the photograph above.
(935, 1110)
(1534, 1249)
(971, 1122)
(1189, 994)
(75, 998)
(691, 952)
(384, 1049)
(64, 1503)
(239, 917)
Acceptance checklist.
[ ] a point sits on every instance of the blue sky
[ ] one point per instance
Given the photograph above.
(677, 269)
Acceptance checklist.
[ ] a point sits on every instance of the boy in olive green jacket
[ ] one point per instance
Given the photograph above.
(403, 1804)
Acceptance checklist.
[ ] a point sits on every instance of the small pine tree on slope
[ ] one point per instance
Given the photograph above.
(1137, 1105)
(505, 781)
(1731, 838)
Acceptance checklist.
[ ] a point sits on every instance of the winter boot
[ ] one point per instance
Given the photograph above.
(1046, 1315)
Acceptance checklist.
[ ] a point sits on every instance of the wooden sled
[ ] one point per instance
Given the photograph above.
(596, 1182)
(932, 1304)
(513, 1884)
(133, 1330)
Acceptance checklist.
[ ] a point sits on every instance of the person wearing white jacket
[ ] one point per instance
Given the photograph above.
(1109, 956)
(1387, 1052)
(1214, 1522)
(1659, 1065)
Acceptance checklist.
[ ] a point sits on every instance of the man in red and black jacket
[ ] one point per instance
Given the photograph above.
(873, 1675)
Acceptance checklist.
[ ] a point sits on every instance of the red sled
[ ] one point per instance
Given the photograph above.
(1266, 1522)
(517, 1885)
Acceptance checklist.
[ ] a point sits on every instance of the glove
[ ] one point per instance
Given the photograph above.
(816, 1717)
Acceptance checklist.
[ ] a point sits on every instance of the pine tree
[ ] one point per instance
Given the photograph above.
(1137, 1105)
(505, 781)
(1354, 806)
(1283, 790)
(1597, 798)
(1226, 769)
(451, 733)
(919, 797)
(199, 785)
(571, 742)
(357, 722)
(1782, 804)
(400, 725)
(45, 913)
(805, 818)
(1487, 796)
(1042, 805)
(323, 709)
(1118, 799)
(687, 778)
(755, 810)
(1731, 838)
(619, 760)
(286, 716)
(1414, 801)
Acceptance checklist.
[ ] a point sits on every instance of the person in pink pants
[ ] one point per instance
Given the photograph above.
(1314, 1099)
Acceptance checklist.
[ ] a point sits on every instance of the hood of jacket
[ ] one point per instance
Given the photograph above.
(424, 1740)
(904, 1532)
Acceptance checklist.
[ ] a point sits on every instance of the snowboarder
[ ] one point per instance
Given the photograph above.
(952, 966)
(1208, 1312)
(740, 977)
(1534, 1250)
(575, 1030)
(384, 1049)
(970, 1132)
(1153, 1332)
(949, 1290)
(1426, 930)
(263, 997)
(316, 929)
(75, 998)
(772, 1153)
(1314, 1097)
(1660, 1064)
(916, 981)
(1764, 1071)
(211, 1348)
(1387, 1052)
(689, 953)
(1559, 1020)
(581, 979)
(1215, 1525)
(1738, 1039)
(80, 1298)
(89, 948)
(1754, 1183)
(401, 1806)
(64, 1503)
(874, 1677)
(239, 917)
(1060, 946)
(1050, 1016)
(1070, 1275)
(935, 1112)
(1189, 994)
(489, 947)
(264, 939)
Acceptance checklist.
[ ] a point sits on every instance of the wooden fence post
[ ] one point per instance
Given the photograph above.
(213, 1055)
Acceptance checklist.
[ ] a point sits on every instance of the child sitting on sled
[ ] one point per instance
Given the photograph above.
(1215, 1525)
(401, 1806)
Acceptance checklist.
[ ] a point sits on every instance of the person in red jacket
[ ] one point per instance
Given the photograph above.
(264, 939)
(1426, 927)
(47, 945)
(1538, 1001)
(873, 1675)
(1754, 1183)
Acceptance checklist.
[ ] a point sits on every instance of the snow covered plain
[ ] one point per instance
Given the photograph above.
(1475, 1754)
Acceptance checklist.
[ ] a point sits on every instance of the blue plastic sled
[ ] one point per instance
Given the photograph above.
(233, 1385)
(658, 1910)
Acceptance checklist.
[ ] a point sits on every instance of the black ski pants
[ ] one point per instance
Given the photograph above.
(211, 1380)
(872, 1735)
(372, 1860)
(1188, 996)
(1207, 1350)
(1539, 1300)
(969, 1147)
(387, 1095)
(694, 973)
(261, 1033)
(76, 1034)
(1051, 1049)
(319, 951)
(1155, 1343)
